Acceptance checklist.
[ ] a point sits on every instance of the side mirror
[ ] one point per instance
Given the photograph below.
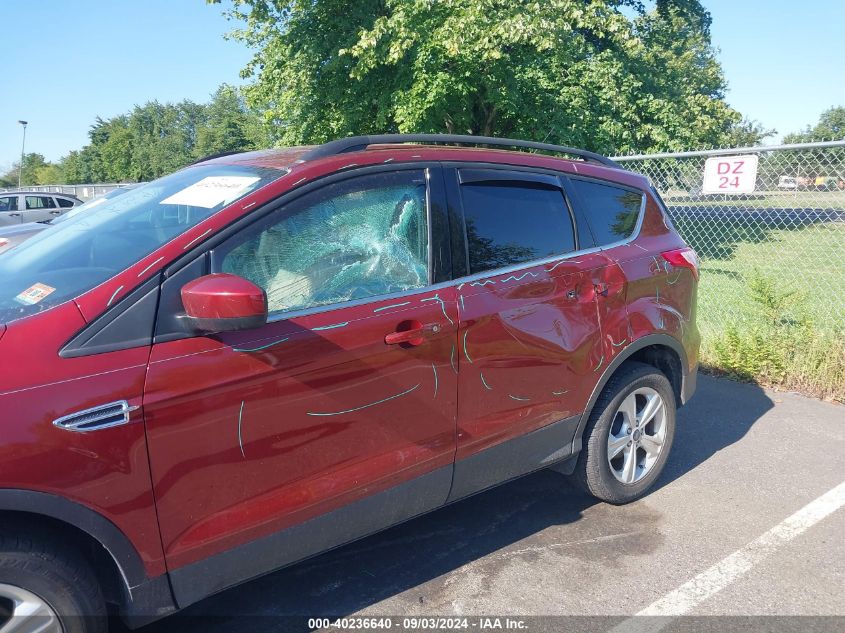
(223, 303)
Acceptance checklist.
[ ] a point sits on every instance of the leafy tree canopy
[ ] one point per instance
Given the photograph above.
(152, 140)
(831, 127)
(608, 75)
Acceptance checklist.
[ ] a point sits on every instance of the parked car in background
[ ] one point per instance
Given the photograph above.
(266, 355)
(787, 182)
(15, 234)
(18, 207)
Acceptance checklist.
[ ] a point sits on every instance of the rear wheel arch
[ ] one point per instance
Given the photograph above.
(659, 350)
(117, 564)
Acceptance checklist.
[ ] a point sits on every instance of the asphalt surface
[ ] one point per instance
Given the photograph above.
(744, 460)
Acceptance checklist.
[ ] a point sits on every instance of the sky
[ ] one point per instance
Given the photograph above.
(784, 62)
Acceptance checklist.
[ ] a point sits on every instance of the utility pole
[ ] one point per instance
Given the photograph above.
(23, 145)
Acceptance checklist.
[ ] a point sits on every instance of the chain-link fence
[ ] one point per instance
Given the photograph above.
(772, 261)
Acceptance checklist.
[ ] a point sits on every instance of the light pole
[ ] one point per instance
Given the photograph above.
(23, 144)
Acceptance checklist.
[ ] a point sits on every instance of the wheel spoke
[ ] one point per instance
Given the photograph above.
(629, 466)
(651, 444)
(615, 444)
(628, 409)
(652, 407)
(30, 613)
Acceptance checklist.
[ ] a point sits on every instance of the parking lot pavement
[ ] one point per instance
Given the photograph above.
(744, 460)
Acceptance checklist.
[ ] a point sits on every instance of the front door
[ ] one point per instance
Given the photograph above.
(327, 423)
(10, 212)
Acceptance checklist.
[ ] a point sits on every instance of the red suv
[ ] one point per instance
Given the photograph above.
(266, 355)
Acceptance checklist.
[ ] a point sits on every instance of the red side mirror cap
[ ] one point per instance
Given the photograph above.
(222, 302)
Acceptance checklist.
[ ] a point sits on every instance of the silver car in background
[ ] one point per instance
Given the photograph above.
(20, 207)
(13, 234)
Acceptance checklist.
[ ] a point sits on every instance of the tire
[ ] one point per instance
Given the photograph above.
(52, 585)
(615, 480)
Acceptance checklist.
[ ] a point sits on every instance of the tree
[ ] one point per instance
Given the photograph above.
(565, 71)
(229, 125)
(831, 127)
(747, 133)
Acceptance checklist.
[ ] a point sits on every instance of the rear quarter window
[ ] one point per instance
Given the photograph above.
(64, 203)
(508, 223)
(612, 212)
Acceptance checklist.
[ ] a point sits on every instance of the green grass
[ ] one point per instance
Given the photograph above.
(791, 332)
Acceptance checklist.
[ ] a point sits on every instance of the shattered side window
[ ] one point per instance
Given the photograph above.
(360, 238)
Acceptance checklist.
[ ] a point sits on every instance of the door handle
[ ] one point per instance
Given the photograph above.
(55, 212)
(411, 333)
(14, 215)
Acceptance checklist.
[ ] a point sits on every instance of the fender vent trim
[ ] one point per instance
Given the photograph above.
(102, 417)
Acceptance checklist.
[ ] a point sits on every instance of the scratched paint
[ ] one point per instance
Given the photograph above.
(452, 359)
(119, 288)
(395, 305)
(674, 281)
(482, 283)
(466, 352)
(519, 398)
(434, 369)
(565, 261)
(198, 238)
(601, 362)
(258, 349)
(365, 406)
(520, 278)
(560, 393)
(330, 327)
(463, 308)
(619, 344)
(301, 180)
(484, 382)
(442, 306)
(240, 435)
(140, 274)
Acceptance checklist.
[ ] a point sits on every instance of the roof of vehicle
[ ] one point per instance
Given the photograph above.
(302, 158)
(32, 192)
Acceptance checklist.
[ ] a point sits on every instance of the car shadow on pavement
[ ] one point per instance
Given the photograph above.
(404, 558)
(720, 413)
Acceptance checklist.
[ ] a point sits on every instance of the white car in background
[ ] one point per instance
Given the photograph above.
(13, 234)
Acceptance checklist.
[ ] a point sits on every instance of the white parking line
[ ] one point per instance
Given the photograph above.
(686, 597)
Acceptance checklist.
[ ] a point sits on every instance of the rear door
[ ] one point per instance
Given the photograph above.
(39, 208)
(327, 423)
(529, 337)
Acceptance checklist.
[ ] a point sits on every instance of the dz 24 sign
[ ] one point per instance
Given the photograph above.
(730, 174)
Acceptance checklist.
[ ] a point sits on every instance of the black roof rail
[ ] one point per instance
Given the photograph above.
(358, 143)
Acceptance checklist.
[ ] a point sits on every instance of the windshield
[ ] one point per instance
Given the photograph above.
(96, 202)
(91, 247)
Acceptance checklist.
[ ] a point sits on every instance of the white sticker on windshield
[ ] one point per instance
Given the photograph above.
(211, 191)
